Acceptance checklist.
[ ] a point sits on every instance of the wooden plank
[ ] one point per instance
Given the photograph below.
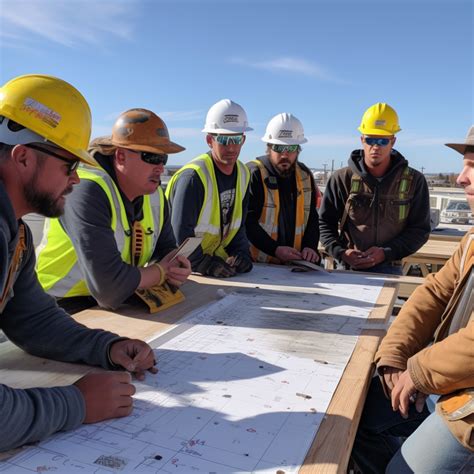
(332, 446)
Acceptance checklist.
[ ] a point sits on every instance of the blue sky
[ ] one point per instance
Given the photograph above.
(325, 61)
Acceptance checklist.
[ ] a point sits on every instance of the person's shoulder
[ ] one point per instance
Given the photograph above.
(305, 168)
(253, 166)
(416, 173)
(342, 174)
(87, 189)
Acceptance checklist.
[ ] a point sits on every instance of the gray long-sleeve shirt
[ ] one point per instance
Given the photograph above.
(32, 320)
(86, 220)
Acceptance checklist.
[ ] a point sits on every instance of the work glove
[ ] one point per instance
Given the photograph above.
(242, 264)
(219, 268)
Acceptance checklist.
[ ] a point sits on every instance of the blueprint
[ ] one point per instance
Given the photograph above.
(243, 386)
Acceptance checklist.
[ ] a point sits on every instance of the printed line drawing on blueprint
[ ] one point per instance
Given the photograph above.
(243, 386)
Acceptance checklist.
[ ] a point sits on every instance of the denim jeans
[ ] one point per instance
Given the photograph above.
(432, 449)
(429, 448)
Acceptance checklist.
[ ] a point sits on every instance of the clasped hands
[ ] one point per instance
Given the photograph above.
(361, 260)
(402, 390)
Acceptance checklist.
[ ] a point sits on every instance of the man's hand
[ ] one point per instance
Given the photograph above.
(377, 254)
(219, 269)
(106, 395)
(390, 376)
(357, 259)
(285, 254)
(310, 255)
(133, 355)
(405, 393)
(177, 269)
(362, 260)
(240, 264)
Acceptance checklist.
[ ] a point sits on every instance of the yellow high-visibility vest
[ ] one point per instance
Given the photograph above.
(58, 269)
(271, 210)
(209, 221)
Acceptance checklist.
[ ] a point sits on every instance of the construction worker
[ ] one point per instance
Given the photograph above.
(282, 221)
(115, 222)
(45, 126)
(427, 356)
(375, 211)
(209, 197)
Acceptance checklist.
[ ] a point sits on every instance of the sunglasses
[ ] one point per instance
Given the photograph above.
(371, 141)
(226, 140)
(154, 158)
(72, 164)
(285, 148)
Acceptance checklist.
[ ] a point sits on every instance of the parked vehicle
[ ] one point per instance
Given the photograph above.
(457, 211)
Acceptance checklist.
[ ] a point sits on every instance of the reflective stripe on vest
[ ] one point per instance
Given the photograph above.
(14, 267)
(271, 211)
(58, 269)
(404, 188)
(209, 221)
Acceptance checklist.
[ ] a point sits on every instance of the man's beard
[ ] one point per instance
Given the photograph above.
(285, 173)
(41, 202)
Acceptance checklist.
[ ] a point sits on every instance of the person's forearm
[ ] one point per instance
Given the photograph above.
(35, 414)
(151, 276)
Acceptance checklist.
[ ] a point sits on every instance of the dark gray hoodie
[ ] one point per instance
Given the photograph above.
(32, 320)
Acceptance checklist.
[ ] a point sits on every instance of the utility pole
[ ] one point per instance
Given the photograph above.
(325, 173)
(422, 170)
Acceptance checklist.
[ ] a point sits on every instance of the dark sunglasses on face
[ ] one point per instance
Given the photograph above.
(229, 139)
(72, 164)
(285, 148)
(371, 141)
(154, 158)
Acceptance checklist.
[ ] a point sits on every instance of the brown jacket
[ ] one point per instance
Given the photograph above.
(447, 366)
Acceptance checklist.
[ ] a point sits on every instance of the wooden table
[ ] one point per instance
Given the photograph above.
(435, 253)
(331, 448)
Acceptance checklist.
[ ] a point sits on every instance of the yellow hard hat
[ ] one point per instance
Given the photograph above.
(51, 108)
(379, 119)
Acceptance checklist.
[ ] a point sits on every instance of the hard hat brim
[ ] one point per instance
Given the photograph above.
(168, 148)
(227, 131)
(275, 141)
(377, 131)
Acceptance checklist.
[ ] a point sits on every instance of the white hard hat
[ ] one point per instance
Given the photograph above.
(284, 129)
(226, 117)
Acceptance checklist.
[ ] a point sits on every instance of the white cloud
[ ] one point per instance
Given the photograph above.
(69, 23)
(293, 66)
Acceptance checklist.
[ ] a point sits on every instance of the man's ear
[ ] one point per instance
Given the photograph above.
(23, 157)
(394, 140)
(209, 140)
(119, 156)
